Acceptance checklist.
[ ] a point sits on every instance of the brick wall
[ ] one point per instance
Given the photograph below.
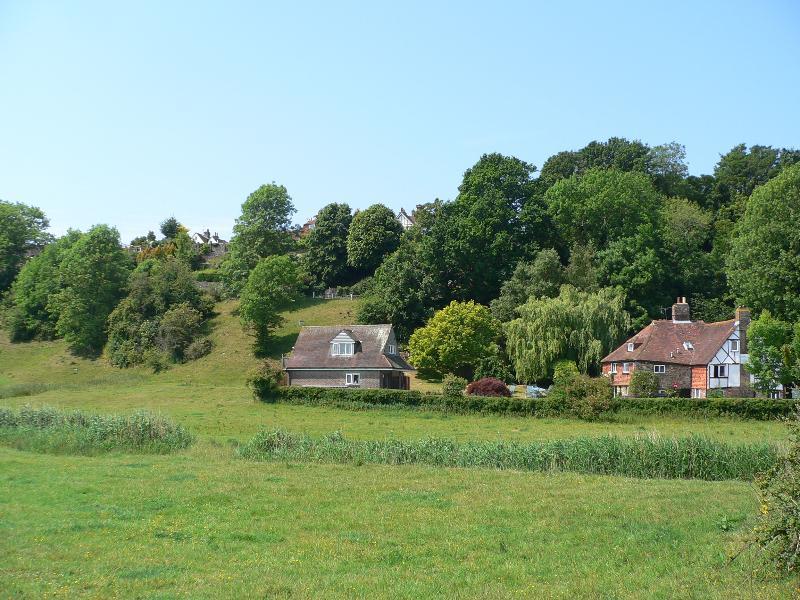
(700, 377)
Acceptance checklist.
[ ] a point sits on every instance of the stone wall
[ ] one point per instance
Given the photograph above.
(369, 379)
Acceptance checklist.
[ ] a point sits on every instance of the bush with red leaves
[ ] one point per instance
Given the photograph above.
(488, 386)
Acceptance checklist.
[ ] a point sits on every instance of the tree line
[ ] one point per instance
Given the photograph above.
(600, 240)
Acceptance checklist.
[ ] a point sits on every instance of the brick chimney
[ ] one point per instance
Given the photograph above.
(680, 311)
(743, 316)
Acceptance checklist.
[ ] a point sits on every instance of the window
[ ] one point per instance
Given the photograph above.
(392, 349)
(630, 346)
(719, 370)
(734, 345)
(688, 346)
(613, 367)
(659, 368)
(697, 393)
(352, 378)
(343, 348)
(626, 367)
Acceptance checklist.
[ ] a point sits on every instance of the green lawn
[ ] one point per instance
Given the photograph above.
(204, 524)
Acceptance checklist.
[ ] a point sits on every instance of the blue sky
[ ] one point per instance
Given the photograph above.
(127, 114)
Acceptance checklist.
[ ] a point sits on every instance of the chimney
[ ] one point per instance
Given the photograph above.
(743, 316)
(680, 311)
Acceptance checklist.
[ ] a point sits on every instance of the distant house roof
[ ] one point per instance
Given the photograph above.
(664, 341)
(312, 350)
(403, 215)
(205, 237)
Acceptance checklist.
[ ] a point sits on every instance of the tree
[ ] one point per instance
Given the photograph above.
(763, 267)
(93, 273)
(401, 293)
(326, 259)
(602, 206)
(32, 315)
(540, 278)
(685, 232)
(577, 326)
(770, 352)
(667, 167)
(262, 230)
(170, 227)
(177, 329)
(374, 234)
(272, 286)
(644, 384)
(22, 228)
(453, 340)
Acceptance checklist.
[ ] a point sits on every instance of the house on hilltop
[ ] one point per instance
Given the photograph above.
(690, 357)
(358, 356)
(406, 220)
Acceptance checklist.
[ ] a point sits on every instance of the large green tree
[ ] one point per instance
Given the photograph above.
(32, 315)
(22, 228)
(272, 285)
(326, 258)
(454, 340)
(763, 266)
(262, 230)
(540, 278)
(373, 234)
(577, 326)
(769, 346)
(93, 274)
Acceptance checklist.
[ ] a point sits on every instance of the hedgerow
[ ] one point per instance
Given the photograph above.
(549, 406)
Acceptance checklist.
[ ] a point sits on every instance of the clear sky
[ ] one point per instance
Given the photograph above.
(129, 113)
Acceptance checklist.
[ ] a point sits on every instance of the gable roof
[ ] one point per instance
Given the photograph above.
(663, 341)
(403, 213)
(312, 350)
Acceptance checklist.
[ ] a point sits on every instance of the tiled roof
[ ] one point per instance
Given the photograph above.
(312, 350)
(663, 341)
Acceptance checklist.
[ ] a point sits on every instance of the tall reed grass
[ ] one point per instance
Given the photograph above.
(648, 456)
(48, 429)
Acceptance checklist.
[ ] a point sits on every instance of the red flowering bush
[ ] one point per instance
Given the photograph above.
(488, 386)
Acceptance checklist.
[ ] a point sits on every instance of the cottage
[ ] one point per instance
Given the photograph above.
(359, 356)
(690, 357)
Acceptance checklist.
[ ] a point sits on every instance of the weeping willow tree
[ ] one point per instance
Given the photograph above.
(578, 326)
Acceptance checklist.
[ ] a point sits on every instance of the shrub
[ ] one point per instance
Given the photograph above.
(266, 379)
(564, 371)
(494, 365)
(198, 349)
(52, 430)
(156, 360)
(207, 275)
(641, 456)
(178, 328)
(453, 385)
(585, 397)
(488, 386)
(644, 384)
(777, 533)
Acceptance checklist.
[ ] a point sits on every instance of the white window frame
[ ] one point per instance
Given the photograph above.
(660, 369)
(697, 392)
(734, 345)
(392, 349)
(352, 378)
(719, 371)
(626, 367)
(613, 368)
(631, 346)
(343, 348)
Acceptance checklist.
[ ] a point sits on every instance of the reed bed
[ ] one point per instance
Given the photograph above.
(51, 430)
(649, 456)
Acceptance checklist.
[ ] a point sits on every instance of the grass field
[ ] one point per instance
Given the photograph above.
(203, 524)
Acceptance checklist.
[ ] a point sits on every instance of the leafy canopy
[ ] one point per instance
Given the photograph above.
(326, 259)
(22, 227)
(578, 326)
(453, 340)
(272, 286)
(374, 234)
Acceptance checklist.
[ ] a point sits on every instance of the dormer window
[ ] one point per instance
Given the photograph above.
(343, 348)
(630, 346)
(391, 349)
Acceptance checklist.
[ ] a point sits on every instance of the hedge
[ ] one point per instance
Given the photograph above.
(747, 408)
